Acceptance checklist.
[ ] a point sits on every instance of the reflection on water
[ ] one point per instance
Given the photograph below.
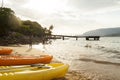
(93, 58)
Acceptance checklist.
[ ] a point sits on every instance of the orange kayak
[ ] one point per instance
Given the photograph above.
(5, 51)
(24, 60)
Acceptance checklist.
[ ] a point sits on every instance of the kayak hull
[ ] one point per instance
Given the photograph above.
(57, 70)
(22, 60)
(5, 51)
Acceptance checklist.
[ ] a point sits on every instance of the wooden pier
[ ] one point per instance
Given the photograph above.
(93, 37)
(76, 37)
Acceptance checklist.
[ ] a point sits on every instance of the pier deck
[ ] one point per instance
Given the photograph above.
(86, 37)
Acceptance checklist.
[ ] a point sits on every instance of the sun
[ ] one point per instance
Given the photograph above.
(46, 6)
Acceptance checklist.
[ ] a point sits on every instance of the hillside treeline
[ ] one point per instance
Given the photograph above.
(13, 30)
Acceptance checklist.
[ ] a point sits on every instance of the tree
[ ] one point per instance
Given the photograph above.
(7, 21)
(51, 27)
(50, 30)
(34, 28)
(14, 30)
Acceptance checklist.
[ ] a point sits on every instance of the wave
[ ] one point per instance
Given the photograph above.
(111, 50)
(116, 53)
(106, 49)
(99, 61)
(102, 48)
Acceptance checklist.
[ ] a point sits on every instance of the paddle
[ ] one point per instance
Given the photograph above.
(24, 67)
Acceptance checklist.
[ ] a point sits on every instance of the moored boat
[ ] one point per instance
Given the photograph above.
(24, 60)
(5, 51)
(45, 72)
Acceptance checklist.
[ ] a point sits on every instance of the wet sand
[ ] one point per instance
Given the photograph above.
(24, 50)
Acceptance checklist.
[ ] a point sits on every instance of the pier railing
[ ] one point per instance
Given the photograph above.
(76, 37)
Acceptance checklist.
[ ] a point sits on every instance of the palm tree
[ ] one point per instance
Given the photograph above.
(50, 30)
(51, 27)
(2, 4)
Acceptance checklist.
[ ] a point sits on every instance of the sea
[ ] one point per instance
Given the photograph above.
(97, 60)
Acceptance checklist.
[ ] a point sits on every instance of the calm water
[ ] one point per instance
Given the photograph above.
(98, 60)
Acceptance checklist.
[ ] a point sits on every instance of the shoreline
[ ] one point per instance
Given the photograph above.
(24, 50)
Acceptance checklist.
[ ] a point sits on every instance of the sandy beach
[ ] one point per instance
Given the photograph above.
(24, 50)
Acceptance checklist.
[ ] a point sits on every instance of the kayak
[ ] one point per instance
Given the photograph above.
(24, 60)
(45, 72)
(5, 51)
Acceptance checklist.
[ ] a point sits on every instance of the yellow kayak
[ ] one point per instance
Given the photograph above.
(35, 72)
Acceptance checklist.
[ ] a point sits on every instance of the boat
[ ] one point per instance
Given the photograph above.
(24, 60)
(5, 51)
(44, 72)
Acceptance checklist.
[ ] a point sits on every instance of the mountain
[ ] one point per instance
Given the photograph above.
(103, 32)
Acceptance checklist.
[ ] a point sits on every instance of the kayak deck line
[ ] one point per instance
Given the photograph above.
(26, 67)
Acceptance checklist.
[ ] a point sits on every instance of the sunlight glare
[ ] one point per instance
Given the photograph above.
(47, 6)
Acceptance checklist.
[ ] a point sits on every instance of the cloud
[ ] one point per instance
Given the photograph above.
(92, 5)
(76, 15)
(18, 2)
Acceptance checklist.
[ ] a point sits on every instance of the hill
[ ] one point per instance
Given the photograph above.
(103, 32)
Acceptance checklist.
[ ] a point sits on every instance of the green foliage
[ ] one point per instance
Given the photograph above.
(14, 28)
(33, 28)
(8, 21)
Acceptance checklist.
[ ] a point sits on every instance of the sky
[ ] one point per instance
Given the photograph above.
(68, 16)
